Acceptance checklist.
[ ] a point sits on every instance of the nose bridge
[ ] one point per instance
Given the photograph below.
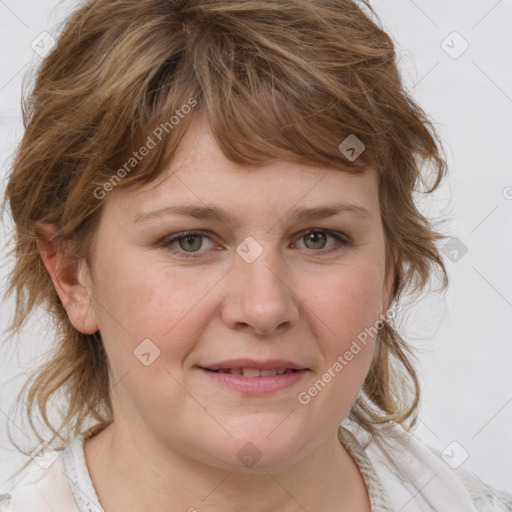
(258, 294)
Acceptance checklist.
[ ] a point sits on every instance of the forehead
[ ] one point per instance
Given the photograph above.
(201, 175)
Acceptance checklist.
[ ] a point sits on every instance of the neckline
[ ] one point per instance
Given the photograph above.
(79, 478)
(379, 498)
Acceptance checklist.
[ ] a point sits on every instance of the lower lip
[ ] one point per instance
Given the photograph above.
(256, 385)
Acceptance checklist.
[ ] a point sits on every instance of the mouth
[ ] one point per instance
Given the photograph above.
(252, 377)
(253, 372)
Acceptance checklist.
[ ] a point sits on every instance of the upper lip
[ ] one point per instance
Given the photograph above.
(268, 364)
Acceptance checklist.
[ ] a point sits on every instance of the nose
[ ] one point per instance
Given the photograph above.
(258, 297)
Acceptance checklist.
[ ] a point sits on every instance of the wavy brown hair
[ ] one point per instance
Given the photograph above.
(287, 79)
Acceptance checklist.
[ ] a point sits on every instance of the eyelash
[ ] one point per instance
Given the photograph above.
(167, 242)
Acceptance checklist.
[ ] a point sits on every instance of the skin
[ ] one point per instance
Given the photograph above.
(176, 434)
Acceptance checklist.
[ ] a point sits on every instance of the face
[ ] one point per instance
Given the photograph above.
(286, 276)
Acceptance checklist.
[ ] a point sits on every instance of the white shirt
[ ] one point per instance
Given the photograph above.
(401, 473)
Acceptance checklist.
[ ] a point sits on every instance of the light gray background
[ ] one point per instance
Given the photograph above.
(464, 338)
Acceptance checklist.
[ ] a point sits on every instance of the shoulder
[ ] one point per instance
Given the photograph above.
(416, 477)
(42, 486)
(485, 498)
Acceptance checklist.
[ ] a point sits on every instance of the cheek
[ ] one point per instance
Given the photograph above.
(137, 300)
(348, 310)
(349, 300)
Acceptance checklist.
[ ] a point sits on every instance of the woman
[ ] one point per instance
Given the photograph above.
(214, 199)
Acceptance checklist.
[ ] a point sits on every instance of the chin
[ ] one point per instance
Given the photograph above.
(255, 450)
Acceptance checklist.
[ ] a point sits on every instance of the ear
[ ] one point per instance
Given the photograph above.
(71, 278)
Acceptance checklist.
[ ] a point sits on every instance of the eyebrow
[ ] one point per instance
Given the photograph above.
(296, 214)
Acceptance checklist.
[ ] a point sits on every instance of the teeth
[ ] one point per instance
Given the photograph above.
(255, 372)
(251, 372)
(233, 371)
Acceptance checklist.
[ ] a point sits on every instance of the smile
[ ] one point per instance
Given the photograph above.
(254, 372)
(254, 381)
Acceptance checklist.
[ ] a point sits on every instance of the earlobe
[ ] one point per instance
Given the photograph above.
(71, 279)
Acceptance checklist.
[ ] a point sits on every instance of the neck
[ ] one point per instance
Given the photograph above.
(129, 473)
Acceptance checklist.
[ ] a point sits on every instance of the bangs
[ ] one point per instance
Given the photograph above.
(266, 93)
